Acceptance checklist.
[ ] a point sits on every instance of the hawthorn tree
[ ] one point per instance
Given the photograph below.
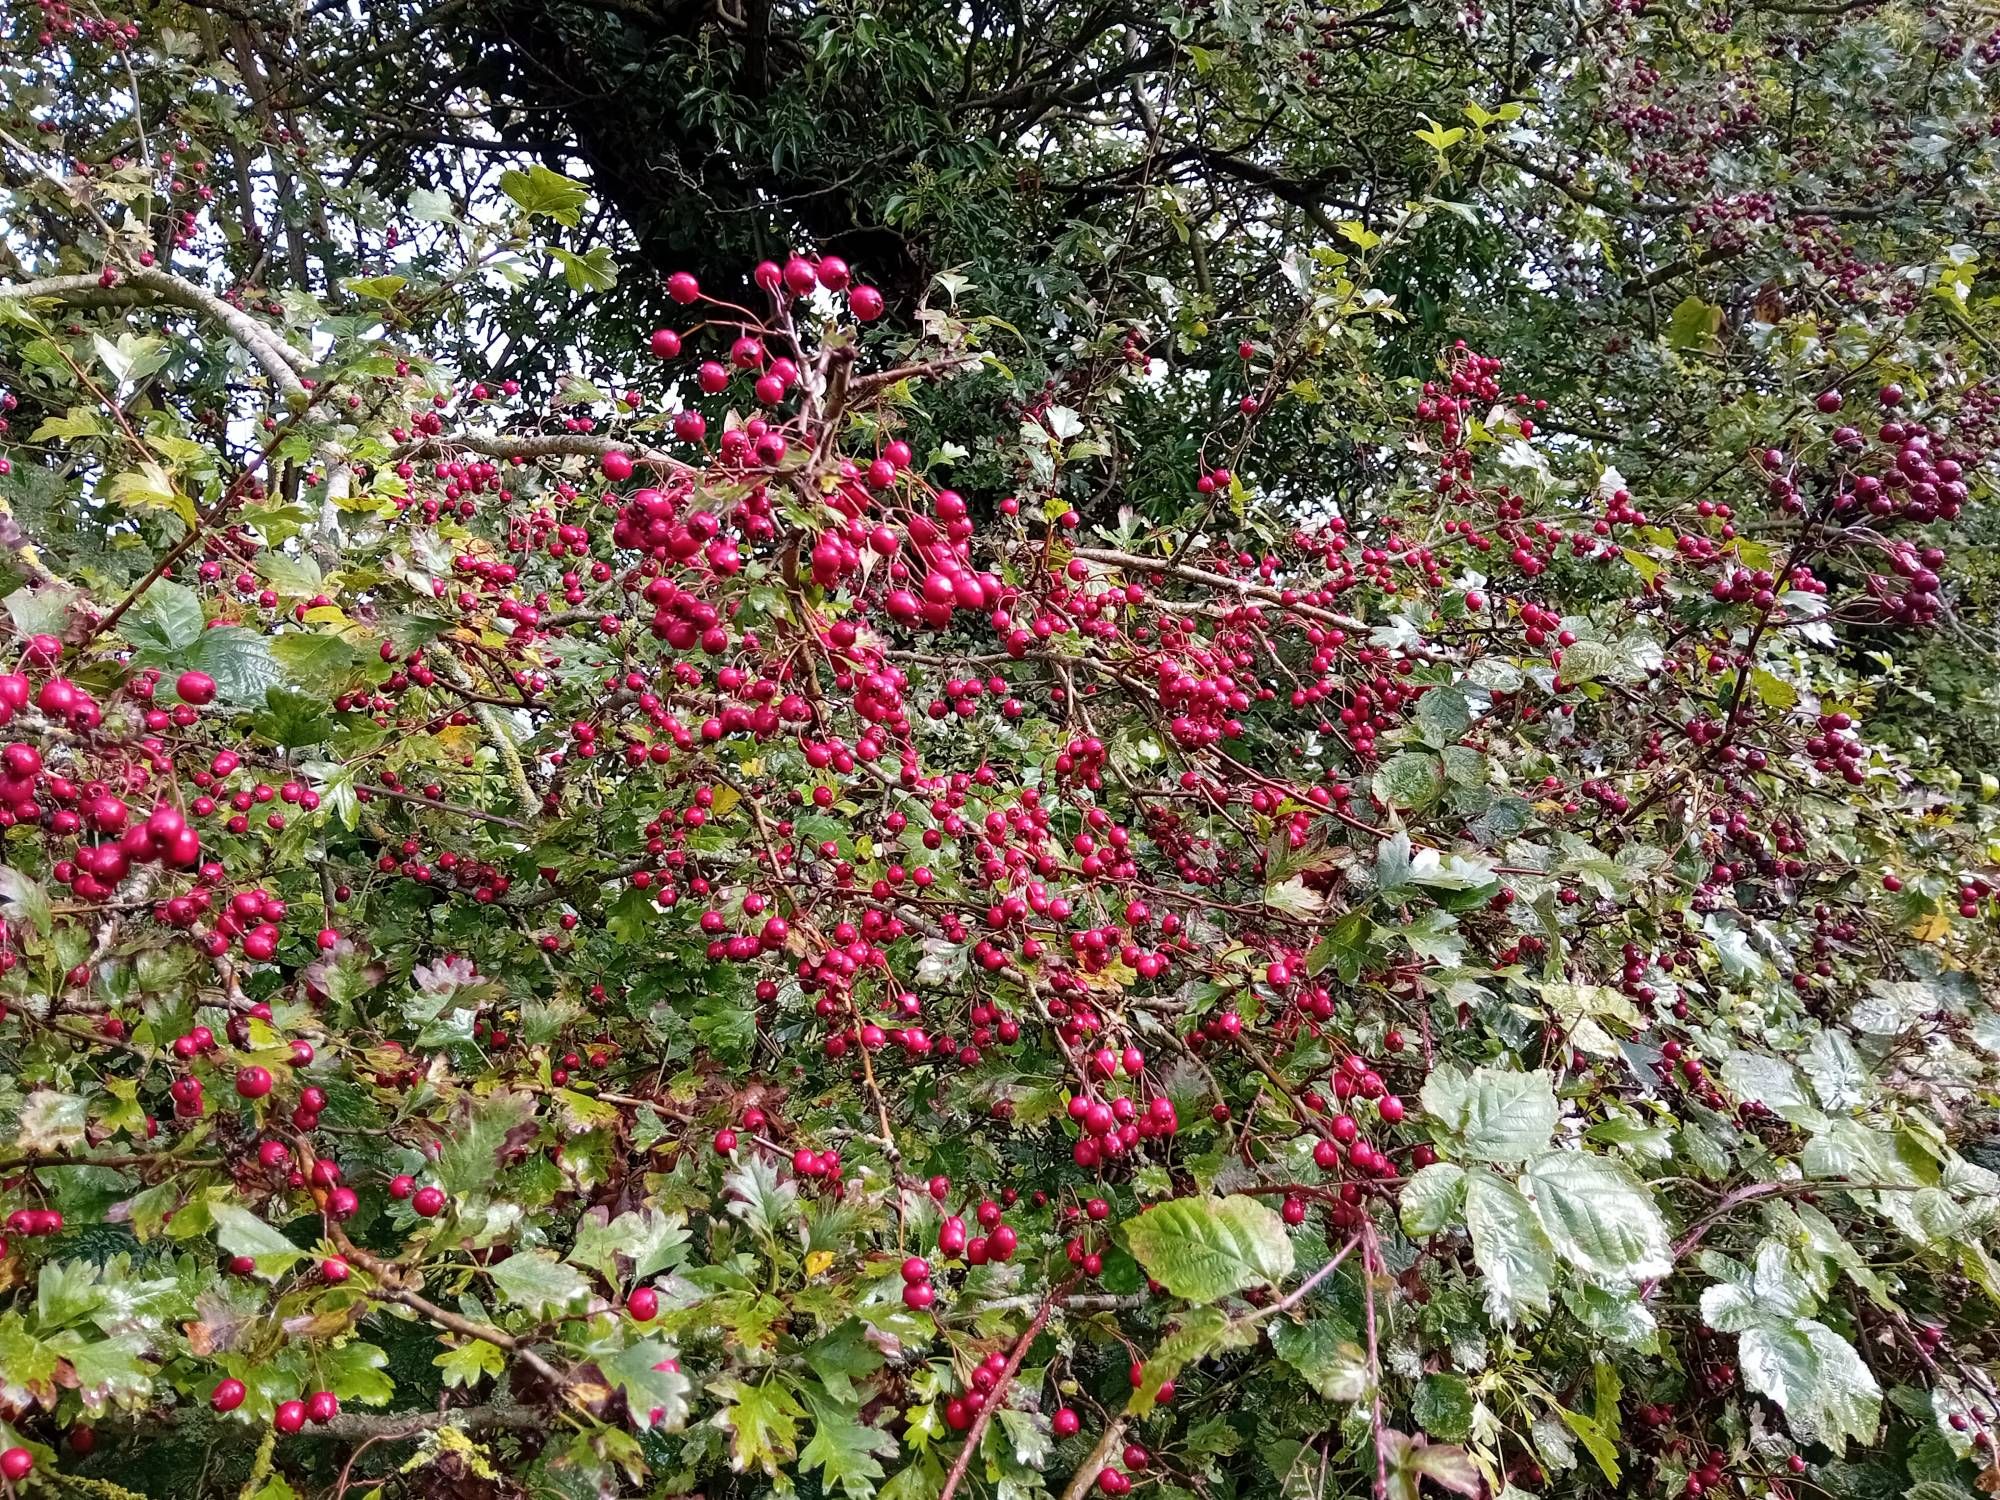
(693, 931)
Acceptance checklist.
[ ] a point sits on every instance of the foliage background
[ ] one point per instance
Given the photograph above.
(1677, 226)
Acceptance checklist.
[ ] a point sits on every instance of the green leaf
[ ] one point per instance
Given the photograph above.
(630, 916)
(1204, 1331)
(846, 1451)
(150, 487)
(65, 1292)
(294, 719)
(167, 618)
(760, 1198)
(112, 1371)
(1594, 1439)
(1827, 1394)
(727, 1027)
(1413, 780)
(543, 193)
(380, 288)
(471, 1362)
(539, 1283)
(593, 271)
(313, 660)
(843, 1357)
(1836, 1071)
(239, 660)
(24, 901)
(762, 1422)
(658, 1397)
(647, 1238)
(241, 1232)
(1515, 1259)
(1497, 1114)
(77, 422)
(1591, 661)
(429, 206)
(354, 1370)
(1443, 716)
(471, 1157)
(1599, 1217)
(1204, 1248)
(1442, 1405)
(1693, 324)
(1331, 1362)
(1433, 1200)
(292, 577)
(1756, 1078)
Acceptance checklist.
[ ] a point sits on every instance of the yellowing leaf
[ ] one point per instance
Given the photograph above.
(1932, 929)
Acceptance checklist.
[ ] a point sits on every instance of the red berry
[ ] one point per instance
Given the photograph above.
(228, 1395)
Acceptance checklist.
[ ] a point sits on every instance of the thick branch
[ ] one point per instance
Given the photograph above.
(277, 358)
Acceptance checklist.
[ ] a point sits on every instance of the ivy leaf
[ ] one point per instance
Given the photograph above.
(1497, 1114)
(537, 1282)
(1599, 1217)
(1201, 1249)
(762, 1422)
(845, 1451)
(1509, 1246)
